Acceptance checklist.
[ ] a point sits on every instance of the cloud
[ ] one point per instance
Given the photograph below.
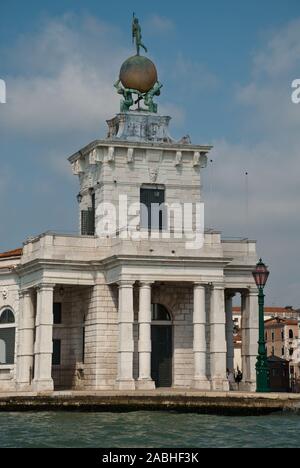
(196, 74)
(269, 152)
(63, 79)
(159, 25)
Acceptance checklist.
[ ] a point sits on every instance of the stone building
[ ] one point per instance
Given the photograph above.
(128, 310)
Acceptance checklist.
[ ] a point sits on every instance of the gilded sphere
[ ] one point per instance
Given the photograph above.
(138, 73)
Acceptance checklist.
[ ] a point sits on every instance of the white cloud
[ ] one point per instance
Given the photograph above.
(271, 122)
(159, 25)
(64, 79)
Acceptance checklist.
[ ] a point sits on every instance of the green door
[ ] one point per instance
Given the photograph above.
(161, 356)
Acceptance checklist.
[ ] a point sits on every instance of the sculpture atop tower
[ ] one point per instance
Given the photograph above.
(138, 77)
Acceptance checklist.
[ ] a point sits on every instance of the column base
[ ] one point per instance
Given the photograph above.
(247, 387)
(145, 384)
(201, 384)
(24, 387)
(125, 384)
(219, 385)
(43, 386)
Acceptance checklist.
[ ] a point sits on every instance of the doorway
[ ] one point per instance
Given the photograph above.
(162, 347)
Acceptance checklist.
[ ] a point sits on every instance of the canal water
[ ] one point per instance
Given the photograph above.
(147, 429)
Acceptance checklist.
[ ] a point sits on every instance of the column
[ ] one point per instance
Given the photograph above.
(145, 315)
(43, 343)
(200, 344)
(250, 327)
(229, 331)
(218, 349)
(125, 379)
(25, 340)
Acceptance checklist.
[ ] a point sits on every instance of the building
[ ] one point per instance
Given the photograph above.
(114, 307)
(281, 335)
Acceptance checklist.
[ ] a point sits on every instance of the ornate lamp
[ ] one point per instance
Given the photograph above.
(261, 275)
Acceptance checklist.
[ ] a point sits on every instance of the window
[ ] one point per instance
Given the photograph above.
(282, 335)
(7, 337)
(273, 351)
(153, 211)
(88, 218)
(291, 352)
(282, 351)
(56, 356)
(291, 334)
(160, 313)
(57, 313)
(273, 337)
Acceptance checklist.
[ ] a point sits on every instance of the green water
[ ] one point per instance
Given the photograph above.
(147, 429)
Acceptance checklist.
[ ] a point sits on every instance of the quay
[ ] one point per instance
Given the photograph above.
(220, 403)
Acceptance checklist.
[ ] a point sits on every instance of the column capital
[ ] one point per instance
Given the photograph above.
(23, 293)
(45, 287)
(217, 285)
(125, 283)
(146, 283)
(199, 284)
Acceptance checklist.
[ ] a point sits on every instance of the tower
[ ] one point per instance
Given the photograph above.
(139, 163)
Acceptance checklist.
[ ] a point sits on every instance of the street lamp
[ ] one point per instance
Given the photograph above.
(261, 275)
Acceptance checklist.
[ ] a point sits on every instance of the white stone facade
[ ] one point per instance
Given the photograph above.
(106, 287)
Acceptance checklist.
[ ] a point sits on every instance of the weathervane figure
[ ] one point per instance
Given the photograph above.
(137, 35)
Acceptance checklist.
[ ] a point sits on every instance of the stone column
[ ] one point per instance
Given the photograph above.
(43, 343)
(229, 331)
(125, 379)
(250, 327)
(145, 315)
(200, 344)
(25, 340)
(218, 340)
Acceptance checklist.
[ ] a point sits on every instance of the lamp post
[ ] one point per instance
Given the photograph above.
(261, 275)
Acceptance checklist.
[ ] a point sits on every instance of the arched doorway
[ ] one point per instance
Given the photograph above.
(162, 346)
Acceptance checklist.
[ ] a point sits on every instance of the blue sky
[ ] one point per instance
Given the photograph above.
(227, 68)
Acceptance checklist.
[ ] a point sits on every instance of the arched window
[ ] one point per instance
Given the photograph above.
(7, 337)
(291, 334)
(160, 313)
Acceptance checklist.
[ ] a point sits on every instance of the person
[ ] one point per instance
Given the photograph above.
(238, 377)
(137, 35)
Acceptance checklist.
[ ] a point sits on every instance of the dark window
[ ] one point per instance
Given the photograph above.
(153, 210)
(273, 336)
(56, 356)
(291, 351)
(57, 313)
(266, 336)
(282, 351)
(282, 335)
(291, 334)
(7, 316)
(88, 222)
(273, 351)
(160, 313)
(83, 344)
(7, 337)
(7, 345)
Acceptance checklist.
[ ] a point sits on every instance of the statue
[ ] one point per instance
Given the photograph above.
(137, 35)
(148, 97)
(127, 93)
(138, 76)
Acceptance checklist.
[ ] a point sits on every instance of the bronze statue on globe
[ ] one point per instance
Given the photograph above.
(138, 75)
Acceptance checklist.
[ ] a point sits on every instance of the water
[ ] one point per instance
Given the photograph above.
(147, 429)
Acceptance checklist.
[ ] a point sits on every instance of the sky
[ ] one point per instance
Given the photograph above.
(227, 68)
